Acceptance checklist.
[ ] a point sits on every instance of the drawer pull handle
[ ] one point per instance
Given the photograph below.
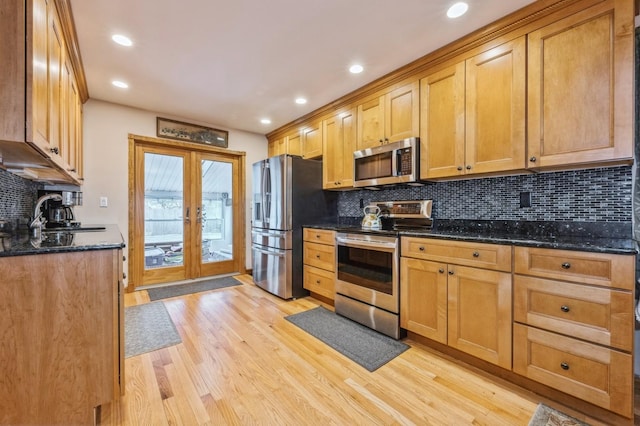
(476, 254)
(421, 248)
(450, 272)
(564, 366)
(317, 281)
(441, 270)
(566, 265)
(317, 235)
(564, 308)
(317, 256)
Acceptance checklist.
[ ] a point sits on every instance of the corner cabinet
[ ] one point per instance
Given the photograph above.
(41, 96)
(472, 118)
(459, 294)
(580, 85)
(389, 117)
(339, 134)
(62, 336)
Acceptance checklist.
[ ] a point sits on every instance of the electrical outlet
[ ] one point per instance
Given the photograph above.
(525, 199)
(104, 201)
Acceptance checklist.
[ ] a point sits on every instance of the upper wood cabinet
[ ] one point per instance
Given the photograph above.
(581, 88)
(277, 147)
(472, 117)
(41, 95)
(390, 117)
(289, 144)
(339, 134)
(311, 141)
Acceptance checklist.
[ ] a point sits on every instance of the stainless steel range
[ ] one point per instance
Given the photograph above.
(367, 265)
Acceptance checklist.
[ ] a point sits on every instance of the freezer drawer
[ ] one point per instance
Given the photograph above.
(272, 270)
(282, 240)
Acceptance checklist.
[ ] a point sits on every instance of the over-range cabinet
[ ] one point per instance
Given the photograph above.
(287, 193)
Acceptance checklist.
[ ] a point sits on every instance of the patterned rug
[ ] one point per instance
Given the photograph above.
(188, 288)
(148, 328)
(547, 416)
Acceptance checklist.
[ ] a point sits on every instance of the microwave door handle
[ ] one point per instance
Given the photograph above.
(394, 164)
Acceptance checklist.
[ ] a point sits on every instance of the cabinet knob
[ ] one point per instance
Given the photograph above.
(124, 275)
(381, 142)
(317, 256)
(441, 270)
(468, 167)
(317, 235)
(386, 140)
(459, 168)
(55, 150)
(450, 272)
(124, 258)
(476, 254)
(71, 170)
(317, 281)
(564, 365)
(565, 308)
(566, 265)
(533, 159)
(421, 248)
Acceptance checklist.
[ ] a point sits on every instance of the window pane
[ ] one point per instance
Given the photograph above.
(217, 223)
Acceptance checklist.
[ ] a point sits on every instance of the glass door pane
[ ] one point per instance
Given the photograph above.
(217, 211)
(163, 211)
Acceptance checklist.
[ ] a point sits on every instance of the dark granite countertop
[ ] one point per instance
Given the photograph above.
(592, 237)
(21, 243)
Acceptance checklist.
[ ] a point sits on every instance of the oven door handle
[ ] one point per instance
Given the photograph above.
(365, 244)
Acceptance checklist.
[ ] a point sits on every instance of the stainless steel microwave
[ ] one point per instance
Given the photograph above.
(395, 162)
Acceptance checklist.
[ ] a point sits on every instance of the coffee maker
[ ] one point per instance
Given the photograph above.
(59, 213)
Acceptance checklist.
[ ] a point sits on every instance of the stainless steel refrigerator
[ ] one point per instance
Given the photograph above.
(287, 194)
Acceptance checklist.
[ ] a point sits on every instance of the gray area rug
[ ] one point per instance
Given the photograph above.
(148, 328)
(547, 416)
(196, 287)
(367, 347)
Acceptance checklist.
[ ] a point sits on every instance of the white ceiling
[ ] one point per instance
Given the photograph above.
(231, 63)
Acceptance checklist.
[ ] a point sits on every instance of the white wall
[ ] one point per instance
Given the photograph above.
(106, 149)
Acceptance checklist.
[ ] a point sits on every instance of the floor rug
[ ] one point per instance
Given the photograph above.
(148, 328)
(158, 293)
(547, 416)
(367, 347)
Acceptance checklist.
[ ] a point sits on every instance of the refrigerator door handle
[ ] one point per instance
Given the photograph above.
(264, 192)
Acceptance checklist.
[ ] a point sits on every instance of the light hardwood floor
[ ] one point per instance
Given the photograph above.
(241, 363)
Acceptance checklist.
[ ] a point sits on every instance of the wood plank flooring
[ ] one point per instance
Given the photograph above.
(241, 363)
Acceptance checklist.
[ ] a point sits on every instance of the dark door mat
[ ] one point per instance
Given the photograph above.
(196, 287)
(148, 328)
(547, 416)
(363, 345)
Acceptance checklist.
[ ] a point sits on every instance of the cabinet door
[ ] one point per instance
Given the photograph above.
(442, 123)
(580, 88)
(370, 123)
(294, 144)
(495, 109)
(479, 313)
(312, 141)
(38, 132)
(423, 298)
(56, 54)
(339, 135)
(402, 113)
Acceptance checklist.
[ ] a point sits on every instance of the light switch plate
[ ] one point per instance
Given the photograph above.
(104, 201)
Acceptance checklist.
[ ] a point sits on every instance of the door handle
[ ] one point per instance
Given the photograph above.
(187, 219)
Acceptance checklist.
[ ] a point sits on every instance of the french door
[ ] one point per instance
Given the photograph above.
(187, 215)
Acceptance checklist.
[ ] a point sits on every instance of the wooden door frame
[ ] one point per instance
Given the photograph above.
(239, 226)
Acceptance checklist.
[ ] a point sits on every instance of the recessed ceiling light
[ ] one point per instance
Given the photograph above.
(265, 121)
(457, 10)
(301, 101)
(120, 84)
(122, 40)
(356, 69)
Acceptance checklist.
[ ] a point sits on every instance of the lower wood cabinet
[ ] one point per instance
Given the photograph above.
(467, 308)
(61, 334)
(319, 262)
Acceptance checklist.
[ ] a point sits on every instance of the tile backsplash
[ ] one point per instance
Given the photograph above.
(594, 195)
(18, 196)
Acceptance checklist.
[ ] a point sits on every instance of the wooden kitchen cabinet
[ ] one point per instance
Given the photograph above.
(319, 261)
(62, 329)
(289, 144)
(580, 86)
(311, 141)
(472, 118)
(465, 307)
(574, 323)
(41, 94)
(390, 117)
(339, 134)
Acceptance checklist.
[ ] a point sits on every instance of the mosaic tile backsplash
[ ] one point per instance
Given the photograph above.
(17, 198)
(595, 195)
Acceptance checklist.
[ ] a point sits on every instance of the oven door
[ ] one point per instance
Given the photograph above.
(367, 270)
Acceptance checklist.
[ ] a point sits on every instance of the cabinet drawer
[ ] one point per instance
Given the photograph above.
(322, 236)
(480, 255)
(610, 270)
(597, 314)
(320, 255)
(319, 281)
(587, 371)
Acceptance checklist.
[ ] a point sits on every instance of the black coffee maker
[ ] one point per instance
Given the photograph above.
(59, 214)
